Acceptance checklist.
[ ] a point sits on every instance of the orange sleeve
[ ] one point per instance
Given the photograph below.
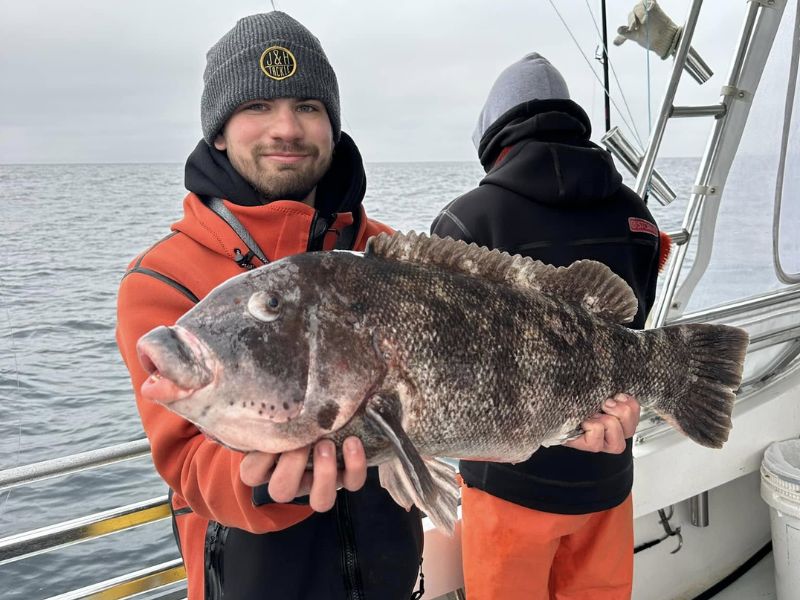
(204, 473)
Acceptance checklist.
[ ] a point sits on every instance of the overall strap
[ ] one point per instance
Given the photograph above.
(345, 241)
(217, 206)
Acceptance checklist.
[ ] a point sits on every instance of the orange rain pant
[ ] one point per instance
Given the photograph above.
(515, 553)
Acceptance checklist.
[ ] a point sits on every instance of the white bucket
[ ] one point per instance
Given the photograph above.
(780, 488)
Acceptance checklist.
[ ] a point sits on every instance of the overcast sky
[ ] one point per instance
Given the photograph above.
(120, 80)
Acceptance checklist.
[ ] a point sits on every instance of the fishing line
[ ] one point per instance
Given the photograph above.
(591, 68)
(614, 73)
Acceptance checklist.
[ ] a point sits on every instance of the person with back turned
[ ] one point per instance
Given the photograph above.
(559, 525)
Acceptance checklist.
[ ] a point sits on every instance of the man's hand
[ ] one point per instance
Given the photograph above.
(288, 477)
(608, 430)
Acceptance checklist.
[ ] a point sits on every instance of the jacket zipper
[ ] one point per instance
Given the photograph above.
(349, 555)
(215, 541)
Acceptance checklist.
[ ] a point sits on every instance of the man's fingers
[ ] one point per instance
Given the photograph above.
(256, 467)
(613, 435)
(607, 431)
(284, 484)
(592, 438)
(625, 408)
(355, 464)
(288, 476)
(323, 487)
(594, 435)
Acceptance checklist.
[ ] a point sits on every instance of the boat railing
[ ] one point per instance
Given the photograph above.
(163, 580)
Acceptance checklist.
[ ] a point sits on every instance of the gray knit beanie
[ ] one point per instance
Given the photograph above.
(268, 55)
(530, 78)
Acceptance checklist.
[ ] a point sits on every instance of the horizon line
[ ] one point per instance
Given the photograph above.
(141, 163)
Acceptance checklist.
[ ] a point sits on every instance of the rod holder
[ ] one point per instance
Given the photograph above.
(698, 507)
(711, 110)
(697, 67)
(616, 143)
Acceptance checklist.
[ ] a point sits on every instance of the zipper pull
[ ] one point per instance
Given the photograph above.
(245, 261)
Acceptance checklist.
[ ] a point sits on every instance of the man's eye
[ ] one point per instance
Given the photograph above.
(257, 106)
(307, 108)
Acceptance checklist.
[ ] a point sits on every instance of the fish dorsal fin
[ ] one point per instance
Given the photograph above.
(587, 283)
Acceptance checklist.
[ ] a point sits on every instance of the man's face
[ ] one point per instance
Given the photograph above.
(282, 147)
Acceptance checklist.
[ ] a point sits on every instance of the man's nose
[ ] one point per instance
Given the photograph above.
(285, 124)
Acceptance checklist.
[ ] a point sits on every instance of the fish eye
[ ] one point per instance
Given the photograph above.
(264, 306)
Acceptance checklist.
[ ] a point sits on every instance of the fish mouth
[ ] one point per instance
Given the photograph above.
(178, 364)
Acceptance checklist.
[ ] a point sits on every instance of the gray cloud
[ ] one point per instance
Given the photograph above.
(99, 81)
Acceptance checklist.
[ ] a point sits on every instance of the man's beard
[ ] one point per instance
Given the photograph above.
(283, 181)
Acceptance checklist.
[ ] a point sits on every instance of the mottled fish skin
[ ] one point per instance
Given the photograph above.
(485, 372)
(472, 354)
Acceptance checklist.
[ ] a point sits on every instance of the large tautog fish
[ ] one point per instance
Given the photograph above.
(426, 347)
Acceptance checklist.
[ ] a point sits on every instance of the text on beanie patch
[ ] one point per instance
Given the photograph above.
(278, 63)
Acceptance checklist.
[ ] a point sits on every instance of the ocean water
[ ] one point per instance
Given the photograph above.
(67, 233)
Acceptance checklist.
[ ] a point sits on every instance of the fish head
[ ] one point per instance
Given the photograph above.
(268, 361)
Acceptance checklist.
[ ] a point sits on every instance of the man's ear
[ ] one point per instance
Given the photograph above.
(219, 143)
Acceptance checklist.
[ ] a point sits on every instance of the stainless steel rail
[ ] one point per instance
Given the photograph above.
(131, 584)
(712, 110)
(624, 151)
(657, 133)
(26, 474)
(163, 579)
(748, 305)
(30, 543)
(741, 84)
(707, 164)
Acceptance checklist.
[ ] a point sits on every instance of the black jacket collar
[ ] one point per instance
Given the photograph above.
(209, 173)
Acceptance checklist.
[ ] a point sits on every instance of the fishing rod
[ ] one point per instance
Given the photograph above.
(606, 87)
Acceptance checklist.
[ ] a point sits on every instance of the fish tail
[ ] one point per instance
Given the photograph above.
(716, 356)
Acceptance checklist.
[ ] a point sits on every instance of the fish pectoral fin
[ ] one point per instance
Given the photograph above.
(442, 509)
(383, 418)
(410, 479)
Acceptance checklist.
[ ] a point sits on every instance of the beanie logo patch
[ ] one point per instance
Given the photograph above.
(278, 63)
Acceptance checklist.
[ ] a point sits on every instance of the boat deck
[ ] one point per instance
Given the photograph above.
(757, 584)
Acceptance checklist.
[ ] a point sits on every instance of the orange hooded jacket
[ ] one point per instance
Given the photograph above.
(159, 287)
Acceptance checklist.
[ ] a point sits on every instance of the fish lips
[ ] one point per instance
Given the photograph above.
(178, 364)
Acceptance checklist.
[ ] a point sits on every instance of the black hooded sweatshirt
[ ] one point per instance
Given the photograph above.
(551, 194)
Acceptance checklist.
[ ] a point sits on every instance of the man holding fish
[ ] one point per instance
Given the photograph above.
(273, 176)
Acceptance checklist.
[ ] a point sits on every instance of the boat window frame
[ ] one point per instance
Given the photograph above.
(782, 274)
